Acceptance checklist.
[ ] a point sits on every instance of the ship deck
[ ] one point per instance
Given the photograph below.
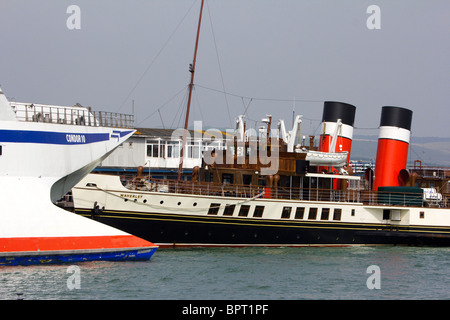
(355, 194)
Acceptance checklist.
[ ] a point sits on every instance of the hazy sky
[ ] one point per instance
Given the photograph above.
(268, 50)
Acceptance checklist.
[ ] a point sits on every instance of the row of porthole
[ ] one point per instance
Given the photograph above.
(161, 202)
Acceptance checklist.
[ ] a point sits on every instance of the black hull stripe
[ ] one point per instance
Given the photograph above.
(311, 224)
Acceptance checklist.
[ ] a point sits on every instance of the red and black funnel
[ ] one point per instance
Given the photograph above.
(393, 144)
(332, 112)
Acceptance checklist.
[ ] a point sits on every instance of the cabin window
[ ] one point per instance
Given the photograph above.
(246, 179)
(286, 213)
(193, 148)
(258, 211)
(422, 215)
(243, 211)
(229, 209)
(386, 214)
(214, 208)
(353, 212)
(155, 149)
(337, 214)
(173, 149)
(299, 212)
(325, 214)
(312, 214)
(152, 150)
(227, 178)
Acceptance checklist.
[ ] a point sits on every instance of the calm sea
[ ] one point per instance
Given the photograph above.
(243, 273)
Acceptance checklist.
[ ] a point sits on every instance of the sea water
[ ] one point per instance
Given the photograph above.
(241, 274)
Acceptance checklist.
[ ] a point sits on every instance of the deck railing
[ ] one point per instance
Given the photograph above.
(76, 115)
(308, 194)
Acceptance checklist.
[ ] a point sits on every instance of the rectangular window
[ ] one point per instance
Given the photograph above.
(229, 209)
(149, 150)
(152, 148)
(162, 149)
(173, 149)
(1, 150)
(421, 214)
(353, 212)
(312, 215)
(258, 211)
(214, 208)
(227, 178)
(155, 149)
(286, 213)
(325, 214)
(386, 214)
(243, 211)
(193, 150)
(247, 179)
(299, 212)
(337, 214)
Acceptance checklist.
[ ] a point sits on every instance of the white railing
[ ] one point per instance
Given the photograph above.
(307, 194)
(76, 115)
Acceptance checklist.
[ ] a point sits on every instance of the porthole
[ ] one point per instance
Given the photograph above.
(145, 201)
(178, 203)
(161, 202)
(195, 204)
(125, 200)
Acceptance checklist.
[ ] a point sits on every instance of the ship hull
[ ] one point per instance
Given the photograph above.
(175, 219)
(171, 230)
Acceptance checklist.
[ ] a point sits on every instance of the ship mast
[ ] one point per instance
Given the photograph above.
(191, 85)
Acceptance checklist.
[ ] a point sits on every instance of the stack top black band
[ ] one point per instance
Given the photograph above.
(396, 117)
(332, 111)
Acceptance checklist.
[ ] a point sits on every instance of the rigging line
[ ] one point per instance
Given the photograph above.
(180, 106)
(157, 55)
(259, 99)
(181, 109)
(248, 105)
(198, 103)
(218, 62)
(161, 119)
(162, 106)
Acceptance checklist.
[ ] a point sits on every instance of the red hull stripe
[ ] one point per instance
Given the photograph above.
(71, 243)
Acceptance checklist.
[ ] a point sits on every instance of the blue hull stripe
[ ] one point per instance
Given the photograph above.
(131, 255)
(61, 138)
